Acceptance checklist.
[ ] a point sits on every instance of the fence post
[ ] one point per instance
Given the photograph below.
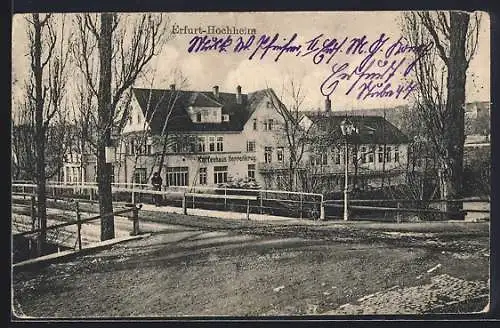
(33, 212)
(79, 225)
(322, 209)
(225, 197)
(135, 229)
(301, 205)
(248, 209)
(261, 206)
(398, 214)
(184, 207)
(193, 201)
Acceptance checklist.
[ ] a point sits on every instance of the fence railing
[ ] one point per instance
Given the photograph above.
(78, 223)
(402, 206)
(257, 201)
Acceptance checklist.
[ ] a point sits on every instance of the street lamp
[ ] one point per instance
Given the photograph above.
(347, 129)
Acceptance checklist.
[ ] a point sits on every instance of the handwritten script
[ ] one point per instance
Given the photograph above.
(380, 59)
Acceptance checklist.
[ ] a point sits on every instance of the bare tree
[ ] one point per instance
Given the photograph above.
(441, 77)
(166, 137)
(112, 50)
(49, 58)
(293, 137)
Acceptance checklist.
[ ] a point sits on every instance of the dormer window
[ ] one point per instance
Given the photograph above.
(269, 104)
(198, 117)
(225, 117)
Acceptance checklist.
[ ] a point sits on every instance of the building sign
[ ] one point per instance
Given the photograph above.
(225, 159)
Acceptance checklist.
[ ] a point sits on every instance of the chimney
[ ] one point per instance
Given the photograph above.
(216, 91)
(172, 87)
(238, 95)
(328, 104)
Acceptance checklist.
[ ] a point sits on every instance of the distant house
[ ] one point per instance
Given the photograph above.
(377, 151)
(477, 109)
(57, 145)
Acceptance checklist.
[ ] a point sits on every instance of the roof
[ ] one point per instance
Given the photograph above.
(159, 102)
(372, 129)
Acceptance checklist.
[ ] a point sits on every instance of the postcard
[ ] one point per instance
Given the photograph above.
(250, 164)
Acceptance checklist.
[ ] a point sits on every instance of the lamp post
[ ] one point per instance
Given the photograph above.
(347, 129)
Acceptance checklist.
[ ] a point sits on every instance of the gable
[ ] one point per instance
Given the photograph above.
(136, 120)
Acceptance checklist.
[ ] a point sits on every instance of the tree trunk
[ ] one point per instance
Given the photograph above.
(163, 154)
(39, 134)
(105, 117)
(455, 103)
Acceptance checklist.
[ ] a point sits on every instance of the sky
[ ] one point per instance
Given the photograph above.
(203, 70)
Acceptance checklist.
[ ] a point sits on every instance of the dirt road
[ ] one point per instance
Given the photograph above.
(211, 267)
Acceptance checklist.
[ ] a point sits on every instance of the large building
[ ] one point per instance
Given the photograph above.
(204, 138)
(208, 138)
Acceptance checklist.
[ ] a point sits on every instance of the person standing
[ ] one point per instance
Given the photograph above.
(156, 181)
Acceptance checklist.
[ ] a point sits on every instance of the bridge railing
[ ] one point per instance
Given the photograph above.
(251, 201)
(36, 229)
(406, 209)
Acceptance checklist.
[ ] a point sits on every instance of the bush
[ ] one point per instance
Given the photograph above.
(476, 177)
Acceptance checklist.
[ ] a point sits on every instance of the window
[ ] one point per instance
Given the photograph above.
(203, 175)
(363, 154)
(337, 157)
(140, 176)
(176, 147)
(396, 154)
(130, 119)
(312, 160)
(225, 118)
(279, 154)
(268, 124)
(280, 181)
(324, 159)
(251, 171)
(112, 174)
(73, 174)
(198, 117)
(192, 144)
(380, 154)
(370, 156)
(201, 144)
(132, 147)
(220, 143)
(268, 154)
(318, 160)
(220, 174)
(388, 154)
(211, 143)
(269, 104)
(138, 118)
(250, 146)
(255, 124)
(140, 147)
(177, 176)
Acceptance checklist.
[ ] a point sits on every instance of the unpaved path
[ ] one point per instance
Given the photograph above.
(223, 267)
